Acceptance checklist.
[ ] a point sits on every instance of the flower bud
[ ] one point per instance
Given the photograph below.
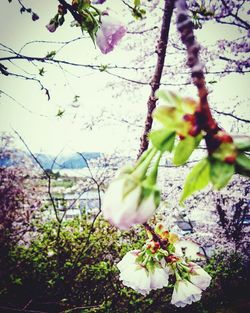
(125, 204)
(153, 246)
(52, 26)
(172, 258)
(222, 136)
(61, 9)
(194, 131)
(189, 118)
(230, 159)
(181, 137)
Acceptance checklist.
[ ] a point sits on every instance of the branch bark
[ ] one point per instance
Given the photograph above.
(156, 79)
(206, 121)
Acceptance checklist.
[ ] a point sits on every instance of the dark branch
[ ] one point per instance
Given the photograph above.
(156, 80)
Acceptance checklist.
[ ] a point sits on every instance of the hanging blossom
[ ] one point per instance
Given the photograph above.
(142, 277)
(103, 28)
(133, 196)
(190, 288)
(188, 249)
(52, 26)
(150, 268)
(185, 293)
(110, 33)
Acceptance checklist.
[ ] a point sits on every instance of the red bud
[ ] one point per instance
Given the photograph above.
(230, 159)
(189, 118)
(194, 131)
(224, 137)
(181, 137)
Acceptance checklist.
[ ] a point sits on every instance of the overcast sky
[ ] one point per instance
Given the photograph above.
(34, 117)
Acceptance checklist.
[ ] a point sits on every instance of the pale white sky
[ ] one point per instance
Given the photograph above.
(98, 103)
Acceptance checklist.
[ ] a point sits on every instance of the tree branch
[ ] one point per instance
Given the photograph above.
(185, 28)
(243, 24)
(156, 79)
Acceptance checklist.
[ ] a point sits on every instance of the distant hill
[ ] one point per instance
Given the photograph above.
(74, 161)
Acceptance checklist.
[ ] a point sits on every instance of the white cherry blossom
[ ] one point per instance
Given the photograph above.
(199, 277)
(185, 293)
(187, 248)
(138, 277)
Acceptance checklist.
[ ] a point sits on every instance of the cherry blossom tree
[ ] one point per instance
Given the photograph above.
(183, 124)
(19, 193)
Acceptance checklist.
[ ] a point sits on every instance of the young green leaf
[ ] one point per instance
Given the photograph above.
(137, 3)
(243, 145)
(162, 139)
(197, 179)
(198, 139)
(243, 161)
(220, 173)
(50, 54)
(183, 150)
(243, 165)
(169, 98)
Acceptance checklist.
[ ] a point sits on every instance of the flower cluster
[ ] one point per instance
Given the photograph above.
(180, 115)
(161, 261)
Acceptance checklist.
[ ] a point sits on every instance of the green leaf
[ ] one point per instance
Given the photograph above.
(137, 3)
(225, 150)
(169, 97)
(162, 139)
(50, 54)
(183, 150)
(61, 20)
(243, 165)
(243, 146)
(220, 173)
(157, 198)
(103, 67)
(243, 161)
(41, 71)
(60, 113)
(166, 116)
(198, 139)
(197, 179)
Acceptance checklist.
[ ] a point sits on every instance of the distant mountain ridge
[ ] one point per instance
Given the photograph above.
(74, 161)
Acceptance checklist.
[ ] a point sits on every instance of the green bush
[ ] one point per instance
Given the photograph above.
(74, 266)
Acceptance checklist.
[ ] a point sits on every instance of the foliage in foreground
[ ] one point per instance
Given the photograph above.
(63, 269)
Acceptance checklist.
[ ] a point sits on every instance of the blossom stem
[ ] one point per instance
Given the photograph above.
(143, 157)
(142, 169)
(152, 177)
(97, 11)
(155, 237)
